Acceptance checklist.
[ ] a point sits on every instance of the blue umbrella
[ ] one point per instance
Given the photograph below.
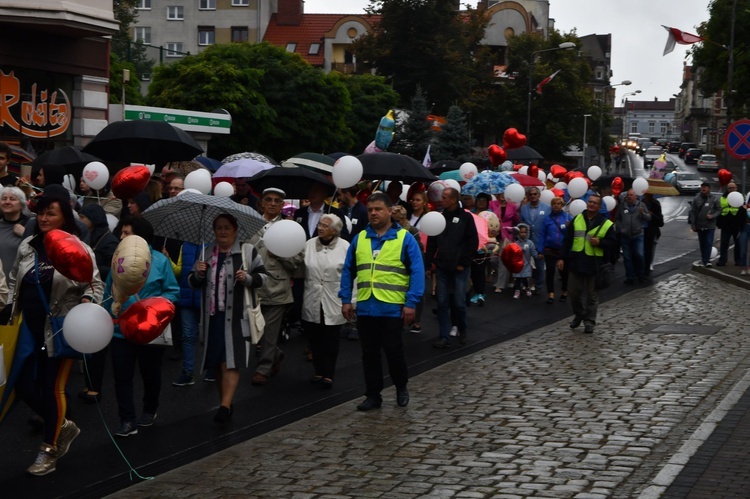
(210, 163)
(489, 183)
(451, 175)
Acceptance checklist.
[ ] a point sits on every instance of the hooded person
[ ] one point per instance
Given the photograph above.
(61, 193)
(103, 242)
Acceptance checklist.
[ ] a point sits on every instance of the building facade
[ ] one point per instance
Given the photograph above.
(652, 119)
(700, 119)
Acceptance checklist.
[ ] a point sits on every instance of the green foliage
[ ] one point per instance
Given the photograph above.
(371, 99)
(427, 44)
(132, 89)
(714, 58)
(413, 135)
(124, 49)
(453, 142)
(280, 105)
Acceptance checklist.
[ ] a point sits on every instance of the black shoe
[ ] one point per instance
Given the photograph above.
(370, 403)
(629, 281)
(222, 415)
(402, 397)
(575, 323)
(91, 399)
(588, 329)
(442, 343)
(462, 338)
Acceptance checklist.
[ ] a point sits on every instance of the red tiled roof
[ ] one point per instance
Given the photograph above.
(311, 30)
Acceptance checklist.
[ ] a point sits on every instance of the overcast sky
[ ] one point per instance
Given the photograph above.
(638, 38)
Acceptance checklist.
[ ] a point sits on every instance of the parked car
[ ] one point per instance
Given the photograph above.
(692, 155)
(661, 143)
(686, 182)
(708, 162)
(651, 155)
(684, 147)
(643, 144)
(673, 146)
(670, 166)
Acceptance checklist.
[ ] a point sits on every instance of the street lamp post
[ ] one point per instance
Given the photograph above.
(562, 46)
(583, 156)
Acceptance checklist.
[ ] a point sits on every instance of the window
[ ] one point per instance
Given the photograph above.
(143, 4)
(663, 128)
(207, 4)
(206, 35)
(651, 127)
(142, 34)
(314, 49)
(175, 13)
(239, 34)
(240, 3)
(633, 127)
(291, 47)
(599, 73)
(174, 49)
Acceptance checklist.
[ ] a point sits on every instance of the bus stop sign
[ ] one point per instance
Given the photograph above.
(737, 139)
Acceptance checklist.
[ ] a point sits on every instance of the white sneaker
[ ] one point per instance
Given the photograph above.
(454, 331)
(743, 272)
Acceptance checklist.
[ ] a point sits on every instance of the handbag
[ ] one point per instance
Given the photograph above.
(256, 323)
(164, 339)
(61, 349)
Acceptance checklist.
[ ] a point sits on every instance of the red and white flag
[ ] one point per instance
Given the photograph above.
(545, 81)
(677, 36)
(427, 161)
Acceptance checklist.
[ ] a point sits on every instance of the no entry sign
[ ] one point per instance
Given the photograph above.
(737, 139)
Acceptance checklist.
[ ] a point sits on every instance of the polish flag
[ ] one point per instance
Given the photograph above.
(545, 81)
(677, 36)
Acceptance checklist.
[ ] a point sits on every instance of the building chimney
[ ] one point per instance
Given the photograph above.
(290, 12)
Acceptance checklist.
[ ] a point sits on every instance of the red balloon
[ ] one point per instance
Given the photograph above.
(558, 192)
(512, 257)
(617, 186)
(571, 175)
(146, 319)
(363, 195)
(517, 167)
(130, 181)
(725, 176)
(533, 171)
(497, 155)
(69, 256)
(557, 171)
(512, 139)
(413, 189)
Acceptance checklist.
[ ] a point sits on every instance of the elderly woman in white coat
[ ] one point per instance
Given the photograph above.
(321, 312)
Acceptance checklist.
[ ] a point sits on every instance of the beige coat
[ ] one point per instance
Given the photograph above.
(278, 287)
(323, 266)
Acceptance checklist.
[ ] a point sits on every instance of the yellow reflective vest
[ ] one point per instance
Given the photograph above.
(725, 208)
(581, 237)
(384, 276)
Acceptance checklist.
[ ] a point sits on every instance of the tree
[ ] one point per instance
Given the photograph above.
(280, 105)
(714, 58)
(413, 135)
(125, 50)
(453, 141)
(371, 99)
(133, 87)
(427, 44)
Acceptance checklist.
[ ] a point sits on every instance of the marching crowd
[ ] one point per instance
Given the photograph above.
(366, 265)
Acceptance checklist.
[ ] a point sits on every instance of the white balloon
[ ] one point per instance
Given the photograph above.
(577, 206)
(542, 177)
(348, 224)
(285, 238)
(95, 175)
(404, 192)
(515, 193)
(151, 168)
(432, 223)
(467, 171)
(550, 177)
(578, 187)
(223, 189)
(735, 199)
(507, 166)
(714, 253)
(594, 172)
(546, 196)
(524, 170)
(347, 171)
(610, 202)
(640, 186)
(112, 221)
(88, 327)
(200, 180)
(194, 191)
(453, 184)
(69, 182)
(562, 186)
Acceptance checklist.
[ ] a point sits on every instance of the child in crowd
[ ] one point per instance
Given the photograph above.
(521, 279)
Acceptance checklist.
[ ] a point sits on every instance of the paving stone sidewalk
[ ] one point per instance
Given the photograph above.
(553, 413)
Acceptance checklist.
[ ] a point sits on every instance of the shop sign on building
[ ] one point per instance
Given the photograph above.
(190, 121)
(32, 108)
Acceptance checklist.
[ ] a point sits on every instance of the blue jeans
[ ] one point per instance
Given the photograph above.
(744, 239)
(632, 256)
(190, 318)
(539, 274)
(706, 242)
(451, 284)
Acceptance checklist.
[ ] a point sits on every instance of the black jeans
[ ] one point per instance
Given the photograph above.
(376, 334)
(550, 262)
(724, 238)
(479, 274)
(124, 357)
(324, 343)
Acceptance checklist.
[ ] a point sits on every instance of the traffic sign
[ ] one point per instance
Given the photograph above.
(737, 139)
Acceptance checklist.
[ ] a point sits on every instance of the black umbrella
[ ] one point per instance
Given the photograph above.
(295, 181)
(70, 158)
(523, 153)
(143, 141)
(444, 165)
(390, 166)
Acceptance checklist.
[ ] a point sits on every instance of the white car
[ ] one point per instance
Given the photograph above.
(708, 162)
(651, 155)
(686, 182)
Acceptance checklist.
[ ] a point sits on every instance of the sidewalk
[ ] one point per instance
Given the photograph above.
(554, 413)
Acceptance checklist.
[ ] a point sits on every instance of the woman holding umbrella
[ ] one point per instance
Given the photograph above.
(223, 277)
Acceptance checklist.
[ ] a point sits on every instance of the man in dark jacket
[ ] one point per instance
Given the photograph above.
(731, 222)
(452, 252)
(587, 240)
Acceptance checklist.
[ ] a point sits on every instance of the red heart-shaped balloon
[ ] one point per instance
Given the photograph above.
(130, 181)
(512, 139)
(557, 171)
(533, 171)
(558, 192)
(512, 258)
(517, 167)
(571, 175)
(146, 319)
(69, 256)
(725, 176)
(617, 186)
(497, 155)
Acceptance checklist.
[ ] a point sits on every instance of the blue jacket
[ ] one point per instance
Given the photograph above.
(412, 258)
(534, 218)
(161, 282)
(553, 231)
(189, 297)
